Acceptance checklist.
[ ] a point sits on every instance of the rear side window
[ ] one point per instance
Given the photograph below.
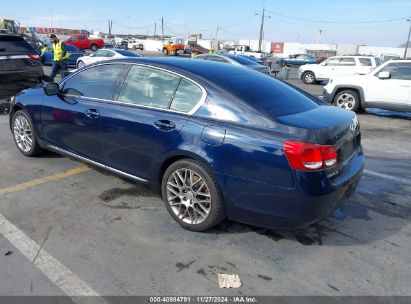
(272, 96)
(186, 97)
(14, 45)
(365, 61)
(96, 82)
(149, 87)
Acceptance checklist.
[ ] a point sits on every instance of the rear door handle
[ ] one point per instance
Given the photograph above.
(164, 125)
(92, 113)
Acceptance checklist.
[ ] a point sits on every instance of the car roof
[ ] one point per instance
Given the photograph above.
(207, 69)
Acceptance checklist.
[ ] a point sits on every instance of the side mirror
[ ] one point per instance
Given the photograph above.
(384, 75)
(51, 89)
(91, 55)
(323, 63)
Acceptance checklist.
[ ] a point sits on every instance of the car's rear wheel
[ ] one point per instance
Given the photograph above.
(24, 135)
(347, 99)
(165, 52)
(175, 53)
(192, 195)
(80, 64)
(309, 78)
(94, 47)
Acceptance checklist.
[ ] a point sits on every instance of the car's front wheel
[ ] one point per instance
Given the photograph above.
(165, 52)
(309, 78)
(80, 64)
(192, 195)
(24, 135)
(347, 99)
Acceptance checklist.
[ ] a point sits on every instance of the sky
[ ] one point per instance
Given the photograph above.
(342, 21)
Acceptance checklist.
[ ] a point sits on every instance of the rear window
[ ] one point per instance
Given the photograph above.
(14, 45)
(268, 94)
(127, 53)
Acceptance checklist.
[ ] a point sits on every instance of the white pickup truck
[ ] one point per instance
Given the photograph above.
(245, 50)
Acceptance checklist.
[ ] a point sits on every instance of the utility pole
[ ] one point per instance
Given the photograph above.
(263, 16)
(408, 40)
(216, 32)
(162, 29)
(155, 29)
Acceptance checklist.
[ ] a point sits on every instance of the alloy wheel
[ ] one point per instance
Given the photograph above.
(309, 78)
(189, 196)
(346, 101)
(23, 133)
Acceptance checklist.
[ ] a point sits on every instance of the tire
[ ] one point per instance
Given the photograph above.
(309, 78)
(80, 64)
(175, 53)
(187, 209)
(94, 47)
(165, 52)
(348, 99)
(283, 64)
(22, 132)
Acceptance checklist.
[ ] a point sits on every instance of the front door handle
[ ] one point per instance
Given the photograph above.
(92, 113)
(164, 125)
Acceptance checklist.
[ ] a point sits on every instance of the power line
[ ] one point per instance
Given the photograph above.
(336, 22)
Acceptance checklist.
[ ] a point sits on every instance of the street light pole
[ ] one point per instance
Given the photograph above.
(408, 39)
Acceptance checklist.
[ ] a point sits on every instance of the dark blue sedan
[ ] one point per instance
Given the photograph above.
(298, 60)
(75, 53)
(219, 140)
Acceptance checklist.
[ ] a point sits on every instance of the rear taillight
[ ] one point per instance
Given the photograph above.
(307, 156)
(34, 56)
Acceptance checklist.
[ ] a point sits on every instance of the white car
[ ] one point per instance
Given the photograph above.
(387, 87)
(337, 66)
(135, 44)
(104, 54)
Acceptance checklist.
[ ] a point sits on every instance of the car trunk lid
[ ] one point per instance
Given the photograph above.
(332, 126)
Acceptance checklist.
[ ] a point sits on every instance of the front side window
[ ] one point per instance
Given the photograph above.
(96, 82)
(399, 71)
(347, 61)
(332, 61)
(149, 87)
(73, 39)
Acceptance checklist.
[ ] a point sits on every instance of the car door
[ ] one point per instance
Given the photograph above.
(394, 90)
(82, 41)
(145, 122)
(327, 69)
(71, 119)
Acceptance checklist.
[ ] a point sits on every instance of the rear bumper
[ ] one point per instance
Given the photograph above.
(315, 197)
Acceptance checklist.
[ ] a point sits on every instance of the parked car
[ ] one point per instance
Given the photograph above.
(75, 53)
(82, 42)
(245, 50)
(109, 44)
(104, 54)
(336, 66)
(135, 45)
(218, 139)
(238, 60)
(20, 68)
(298, 60)
(387, 87)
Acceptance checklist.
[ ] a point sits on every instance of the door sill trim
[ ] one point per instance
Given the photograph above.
(96, 164)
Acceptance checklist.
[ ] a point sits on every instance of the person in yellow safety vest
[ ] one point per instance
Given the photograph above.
(60, 56)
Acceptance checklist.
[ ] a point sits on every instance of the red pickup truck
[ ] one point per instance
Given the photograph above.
(82, 41)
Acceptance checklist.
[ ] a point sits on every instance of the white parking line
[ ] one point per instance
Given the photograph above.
(386, 176)
(67, 281)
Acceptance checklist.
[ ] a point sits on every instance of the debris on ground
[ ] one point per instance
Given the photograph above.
(8, 253)
(229, 280)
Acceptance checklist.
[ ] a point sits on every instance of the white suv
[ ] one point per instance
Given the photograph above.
(336, 66)
(387, 87)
